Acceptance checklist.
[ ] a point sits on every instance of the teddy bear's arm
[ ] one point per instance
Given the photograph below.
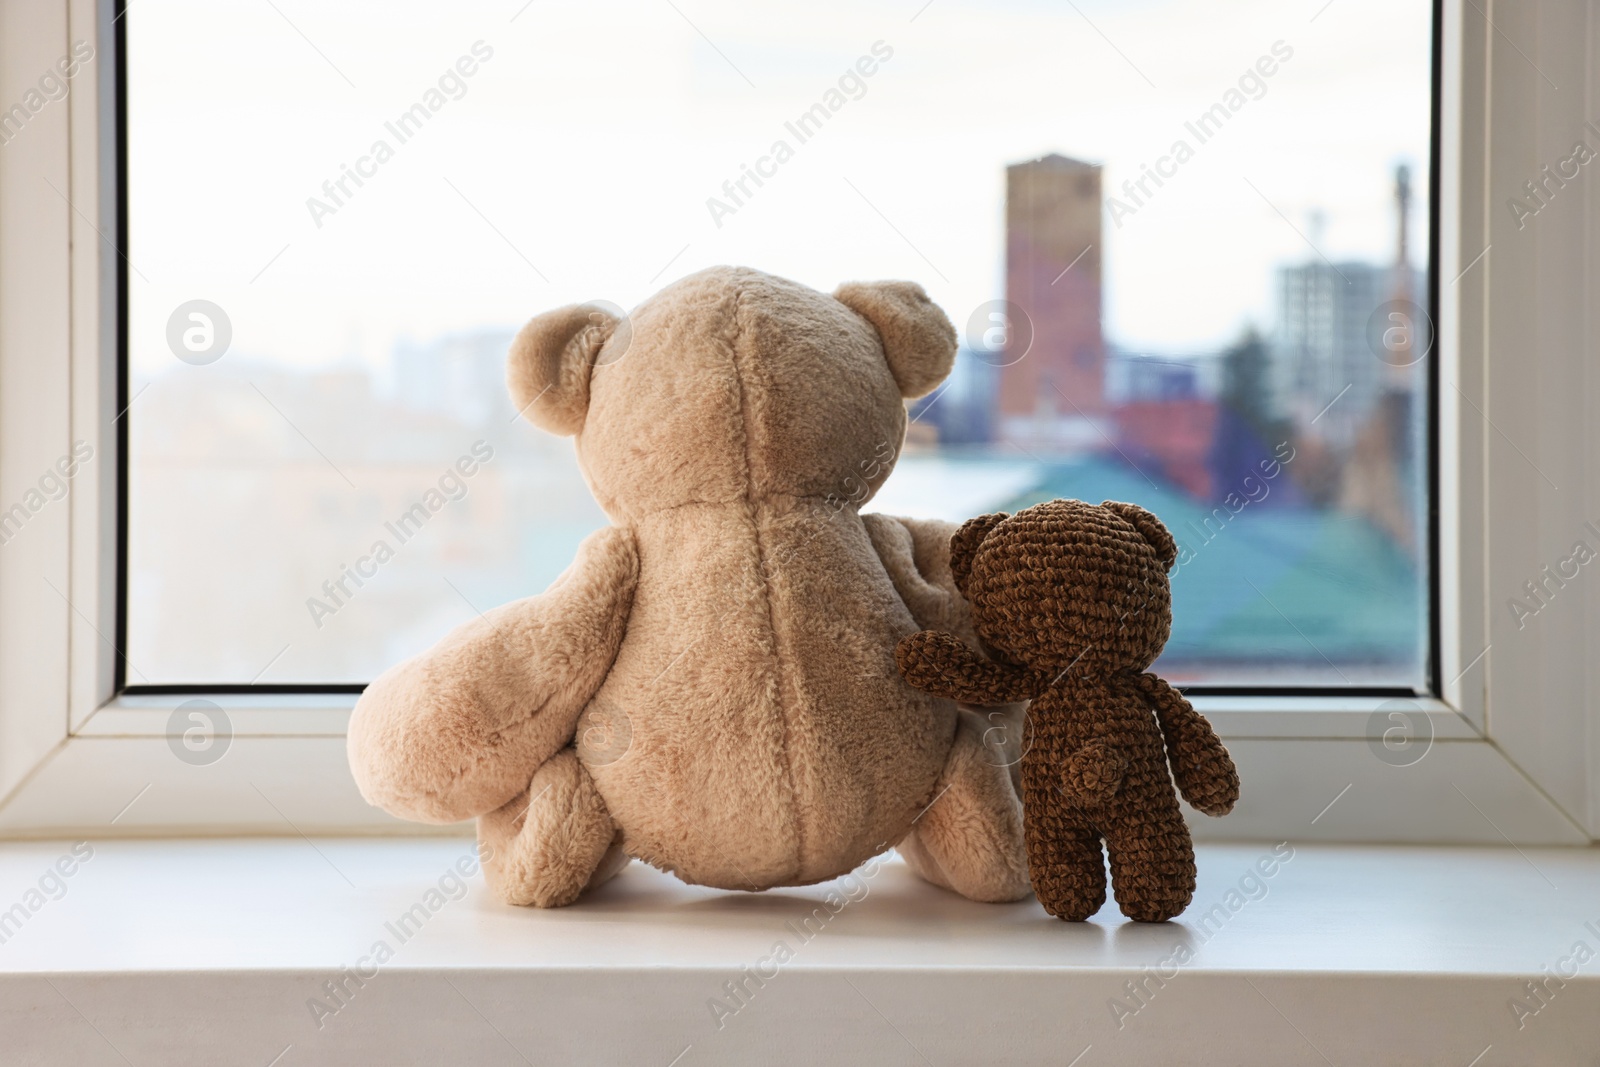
(916, 554)
(939, 663)
(459, 730)
(1201, 766)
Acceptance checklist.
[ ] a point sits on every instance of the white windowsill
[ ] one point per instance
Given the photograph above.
(326, 715)
(174, 952)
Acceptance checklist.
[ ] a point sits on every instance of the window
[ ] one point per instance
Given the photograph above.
(1508, 435)
(1189, 270)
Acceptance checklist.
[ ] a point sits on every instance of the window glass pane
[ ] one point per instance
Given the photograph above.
(1184, 244)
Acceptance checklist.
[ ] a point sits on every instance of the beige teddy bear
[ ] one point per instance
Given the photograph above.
(711, 686)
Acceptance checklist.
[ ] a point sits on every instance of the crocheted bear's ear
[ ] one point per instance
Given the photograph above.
(548, 369)
(964, 545)
(1150, 528)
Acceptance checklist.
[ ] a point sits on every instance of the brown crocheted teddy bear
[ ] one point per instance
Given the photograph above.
(1073, 603)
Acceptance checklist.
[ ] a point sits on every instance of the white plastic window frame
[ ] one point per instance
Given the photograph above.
(1508, 753)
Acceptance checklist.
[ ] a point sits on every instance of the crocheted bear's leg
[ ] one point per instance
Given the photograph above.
(1064, 861)
(1152, 867)
(970, 838)
(553, 841)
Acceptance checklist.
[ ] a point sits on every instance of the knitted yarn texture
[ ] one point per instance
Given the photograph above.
(1073, 603)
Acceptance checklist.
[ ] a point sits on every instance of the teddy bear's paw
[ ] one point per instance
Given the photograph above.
(1154, 910)
(970, 838)
(1068, 868)
(933, 661)
(1152, 869)
(1073, 904)
(1215, 804)
(553, 841)
(1209, 781)
(1093, 774)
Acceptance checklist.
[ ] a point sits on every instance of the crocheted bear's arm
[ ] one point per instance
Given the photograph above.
(1201, 766)
(939, 663)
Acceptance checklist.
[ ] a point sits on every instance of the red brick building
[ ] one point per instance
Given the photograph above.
(1052, 384)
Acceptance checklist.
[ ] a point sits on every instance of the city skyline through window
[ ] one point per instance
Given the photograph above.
(1187, 270)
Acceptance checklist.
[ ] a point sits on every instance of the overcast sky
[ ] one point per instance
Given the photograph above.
(578, 162)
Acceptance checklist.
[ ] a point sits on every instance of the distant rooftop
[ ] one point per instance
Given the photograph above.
(1056, 161)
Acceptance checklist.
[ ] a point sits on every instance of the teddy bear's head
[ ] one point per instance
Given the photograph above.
(1066, 582)
(732, 385)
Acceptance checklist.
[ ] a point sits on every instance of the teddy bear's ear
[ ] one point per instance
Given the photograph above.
(918, 340)
(1150, 528)
(548, 369)
(964, 545)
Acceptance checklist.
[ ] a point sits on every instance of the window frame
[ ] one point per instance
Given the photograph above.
(80, 754)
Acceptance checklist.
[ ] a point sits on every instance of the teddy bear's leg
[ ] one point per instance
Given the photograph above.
(1152, 867)
(970, 838)
(553, 841)
(1065, 861)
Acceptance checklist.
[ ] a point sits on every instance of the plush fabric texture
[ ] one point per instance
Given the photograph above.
(1072, 603)
(711, 688)
(553, 840)
(551, 360)
(914, 339)
(459, 730)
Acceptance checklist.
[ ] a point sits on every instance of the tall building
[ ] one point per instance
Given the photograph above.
(1324, 351)
(1052, 383)
(1328, 342)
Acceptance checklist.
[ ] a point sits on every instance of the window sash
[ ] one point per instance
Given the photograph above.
(79, 756)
